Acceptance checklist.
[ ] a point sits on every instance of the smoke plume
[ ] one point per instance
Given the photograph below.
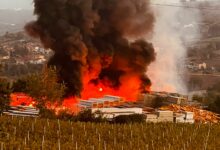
(89, 40)
(175, 25)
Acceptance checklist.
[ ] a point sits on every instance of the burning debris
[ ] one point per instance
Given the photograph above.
(92, 52)
(106, 101)
(21, 99)
(200, 115)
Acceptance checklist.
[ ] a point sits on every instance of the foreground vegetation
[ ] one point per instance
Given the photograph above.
(211, 99)
(35, 133)
(43, 87)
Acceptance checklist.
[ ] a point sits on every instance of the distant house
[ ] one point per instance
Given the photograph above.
(38, 61)
(20, 62)
(202, 66)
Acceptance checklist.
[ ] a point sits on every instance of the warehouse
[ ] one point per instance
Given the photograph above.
(106, 101)
(23, 111)
(110, 113)
(170, 116)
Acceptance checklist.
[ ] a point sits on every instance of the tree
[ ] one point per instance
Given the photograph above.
(4, 95)
(20, 50)
(198, 98)
(0, 68)
(65, 115)
(86, 116)
(44, 87)
(195, 83)
(212, 99)
(20, 85)
(215, 105)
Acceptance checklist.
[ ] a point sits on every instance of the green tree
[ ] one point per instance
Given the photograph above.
(4, 95)
(44, 87)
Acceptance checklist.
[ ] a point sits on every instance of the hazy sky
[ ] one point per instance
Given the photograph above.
(27, 4)
(12, 4)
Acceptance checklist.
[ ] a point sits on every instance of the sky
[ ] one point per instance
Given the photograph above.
(28, 4)
(16, 4)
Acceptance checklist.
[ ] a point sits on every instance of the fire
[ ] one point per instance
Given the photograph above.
(69, 102)
(100, 89)
(97, 58)
(32, 104)
(129, 89)
(21, 99)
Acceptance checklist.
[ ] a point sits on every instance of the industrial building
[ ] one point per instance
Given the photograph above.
(164, 116)
(179, 100)
(147, 99)
(23, 111)
(110, 113)
(106, 101)
(170, 116)
(112, 106)
(162, 98)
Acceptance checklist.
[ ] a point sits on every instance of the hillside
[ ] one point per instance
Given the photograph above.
(12, 20)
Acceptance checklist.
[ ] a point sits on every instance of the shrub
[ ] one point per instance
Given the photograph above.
(135, 118)
(4, 95)
(47, 113)
(64, 115)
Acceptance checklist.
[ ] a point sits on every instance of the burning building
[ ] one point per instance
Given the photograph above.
(99, 46)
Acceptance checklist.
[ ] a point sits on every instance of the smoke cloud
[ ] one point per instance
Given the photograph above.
(174, 26)
(90, 40)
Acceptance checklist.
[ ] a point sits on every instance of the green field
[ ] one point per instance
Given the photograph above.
(30, 133)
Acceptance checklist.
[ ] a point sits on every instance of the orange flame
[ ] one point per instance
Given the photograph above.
(129, 89)
(100, 89)
(21, 99)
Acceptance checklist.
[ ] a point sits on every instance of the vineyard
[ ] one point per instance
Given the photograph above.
(18, 133)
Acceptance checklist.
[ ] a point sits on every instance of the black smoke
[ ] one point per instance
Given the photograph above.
(90, 38)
